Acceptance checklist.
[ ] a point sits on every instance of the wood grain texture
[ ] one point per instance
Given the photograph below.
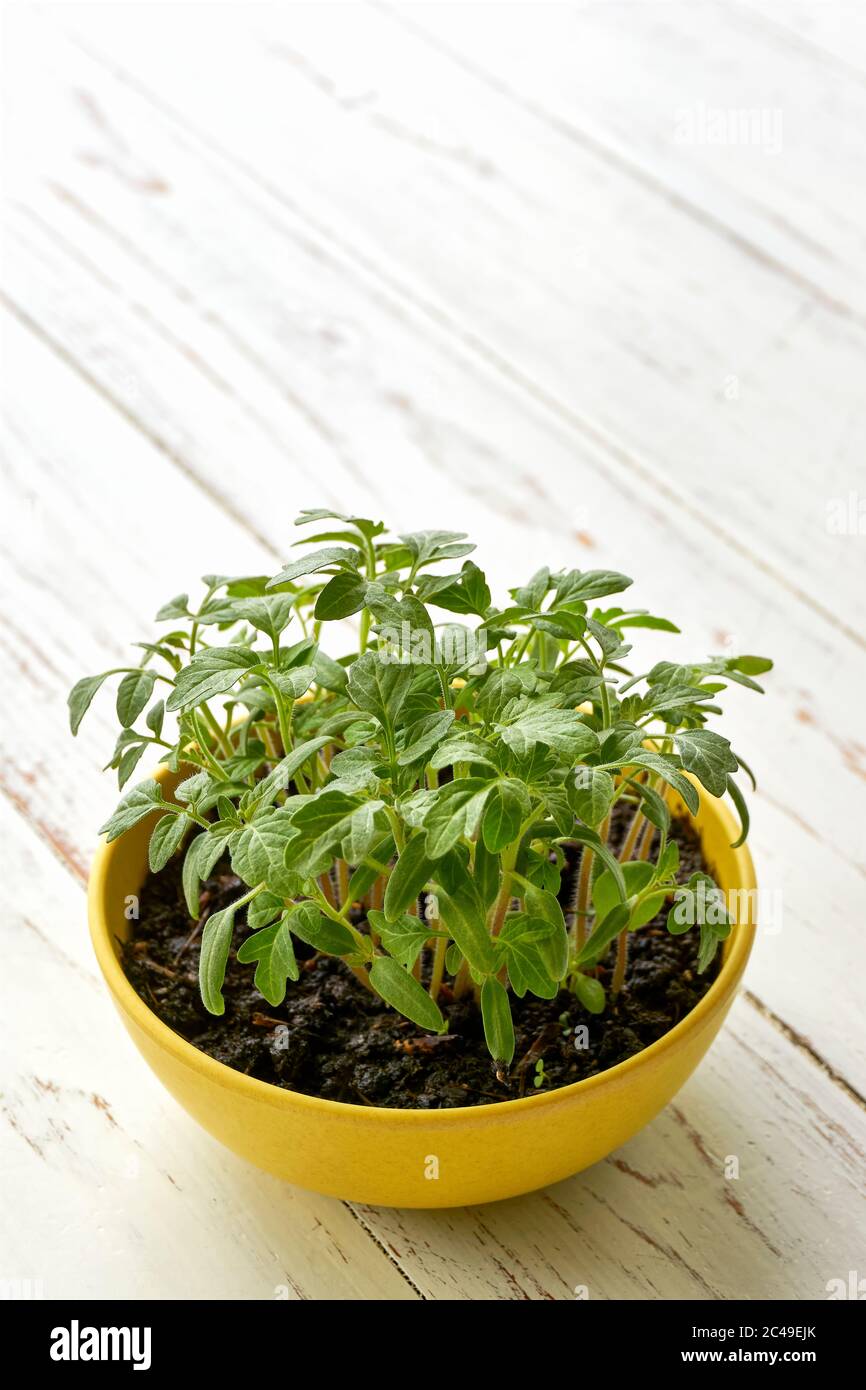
(110, 1189)
(589, 288)
(196, 354)
(413, 274)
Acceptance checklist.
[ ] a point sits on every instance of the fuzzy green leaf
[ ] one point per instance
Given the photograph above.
(211, 672)
(591, 795)
(320, 932)
(498, 1023)
(167, 836)
(708, 755)
(200, 858)
(317, 560)
(133, 807)
(80, 698)
(343, 595)
(506, 807)
(273, 949)
(379, 687)
(454, 812)
(133, 694)
(216, 939)
(403, 992)
(259, 852)
(408, 877)
(565, 731)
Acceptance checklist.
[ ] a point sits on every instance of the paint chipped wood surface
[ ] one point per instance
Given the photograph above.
(416, 249)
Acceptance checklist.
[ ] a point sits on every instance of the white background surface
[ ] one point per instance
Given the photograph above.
(510, 269)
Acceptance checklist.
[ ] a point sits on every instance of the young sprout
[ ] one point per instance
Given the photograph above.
(409, 804)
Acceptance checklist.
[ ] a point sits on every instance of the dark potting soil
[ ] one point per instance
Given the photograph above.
(331, 1037)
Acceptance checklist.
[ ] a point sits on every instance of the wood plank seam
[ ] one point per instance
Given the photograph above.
(804, 1045)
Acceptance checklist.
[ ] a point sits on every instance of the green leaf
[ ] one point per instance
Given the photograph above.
(462, 912)
(579, 585)
(531, 595)
(565, 731)
(259, 852)
(294, 682)
(177, 607)
(202, 855)
(668, 771)
(521, 938)
(212, 671)
(603, 933)
(423, 736)
(262, 910)
(654, 806)
(553, 948)
(403, 992)
(644, 620)
(80, 698)
(133, 807)
(361, 523)
(454, 811)
(708, 755)
(408, 877)
(379, 687)
(498, 1024)
(743, 811)
(155, 718)
(467, 592)
(128, 763)
(133, 694)
(317, 560)
(591, 795)
(506, 808)
(463, 748)
(165, 840)
(750, 665)
(485, 872)
(590, 992)
(281, 773)
(268, 613)
(343, 595)
(363, 831)
(320, 932)
(330, 675)
(216, 940)
(403, 938)
(637, 874)
(275, 953)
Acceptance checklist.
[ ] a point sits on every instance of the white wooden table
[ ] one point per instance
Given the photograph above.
(583, 280)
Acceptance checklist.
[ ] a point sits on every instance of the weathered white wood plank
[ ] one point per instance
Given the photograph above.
(99, 1160)
(789, 1222)
(575, 286)
(244, 345)
(705, 104)
(834, 29)
(409, 413)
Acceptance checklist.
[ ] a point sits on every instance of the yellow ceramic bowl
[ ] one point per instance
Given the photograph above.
(419, 1158)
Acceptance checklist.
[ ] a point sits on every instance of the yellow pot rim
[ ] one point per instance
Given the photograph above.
(738, 947)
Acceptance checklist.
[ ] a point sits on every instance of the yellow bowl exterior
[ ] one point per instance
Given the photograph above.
(419, 1158)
